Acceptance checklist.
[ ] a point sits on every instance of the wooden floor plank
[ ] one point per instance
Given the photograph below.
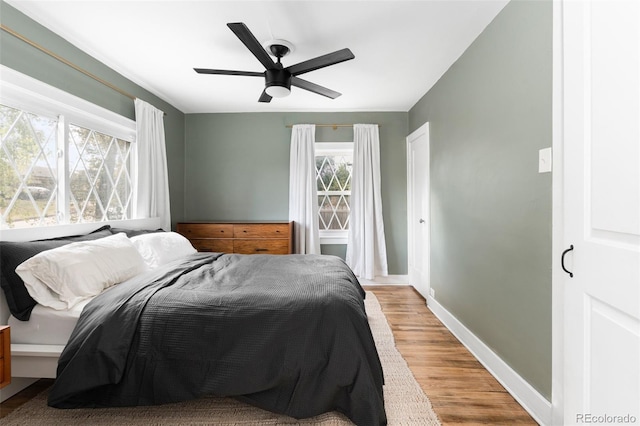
(461, 390)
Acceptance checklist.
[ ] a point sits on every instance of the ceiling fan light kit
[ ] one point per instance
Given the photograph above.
(277, 91)
(278, 80)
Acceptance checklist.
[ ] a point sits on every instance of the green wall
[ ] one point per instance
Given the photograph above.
(490, 208)
(18, 55)
(238, 168)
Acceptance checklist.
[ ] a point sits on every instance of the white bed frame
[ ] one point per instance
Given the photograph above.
(32, 362)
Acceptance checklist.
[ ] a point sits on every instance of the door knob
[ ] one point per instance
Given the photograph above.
(421, 221)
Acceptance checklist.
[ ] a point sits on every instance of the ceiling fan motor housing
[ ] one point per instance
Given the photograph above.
(277, 77)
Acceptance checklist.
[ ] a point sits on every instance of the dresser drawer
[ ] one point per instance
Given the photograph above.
(261, 230)
(239, 237)
(206, 230)
(257, 246)
(222, 245)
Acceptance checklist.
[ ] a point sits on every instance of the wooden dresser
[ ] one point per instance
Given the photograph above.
(5, 355)
(272, 237)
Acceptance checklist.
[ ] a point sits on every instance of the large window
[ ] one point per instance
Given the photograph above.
(333, 177)
(62, 159)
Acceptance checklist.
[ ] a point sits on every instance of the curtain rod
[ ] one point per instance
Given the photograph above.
(333, 126)
(66, 62)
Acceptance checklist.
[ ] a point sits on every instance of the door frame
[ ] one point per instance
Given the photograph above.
(557, 220)
(422, 130)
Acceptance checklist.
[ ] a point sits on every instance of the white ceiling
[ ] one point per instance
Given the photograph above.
(401, 48)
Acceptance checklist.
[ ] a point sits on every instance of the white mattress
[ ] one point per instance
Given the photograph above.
(46, 326)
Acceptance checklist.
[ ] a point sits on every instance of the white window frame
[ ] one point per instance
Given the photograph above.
(333, 236)
(26, 93)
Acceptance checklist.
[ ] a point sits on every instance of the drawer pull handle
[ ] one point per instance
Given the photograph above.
(262, 249)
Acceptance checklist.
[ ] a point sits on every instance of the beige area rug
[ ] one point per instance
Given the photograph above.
(405, 402)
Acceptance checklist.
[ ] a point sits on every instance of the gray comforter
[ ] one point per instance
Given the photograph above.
(285, 333)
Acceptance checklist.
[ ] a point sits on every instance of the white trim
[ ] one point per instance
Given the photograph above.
(333, 236)
(44, 232)
(21, 91)
(388, 280)
(557, 221)
(332, 240)
(530, 399)
(333, 147)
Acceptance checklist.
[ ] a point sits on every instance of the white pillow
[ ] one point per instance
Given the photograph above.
(40, 292)
(159, 248)
(79, 270)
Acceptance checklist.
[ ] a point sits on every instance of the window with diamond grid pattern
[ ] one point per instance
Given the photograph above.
(35, 192)
(333, 178)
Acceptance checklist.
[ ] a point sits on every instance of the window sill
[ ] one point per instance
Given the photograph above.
(55, 231)
(332, 240)
(333, 237)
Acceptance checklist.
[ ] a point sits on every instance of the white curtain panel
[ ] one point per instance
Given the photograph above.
(366, 247)
(151, 178)
(303, 194)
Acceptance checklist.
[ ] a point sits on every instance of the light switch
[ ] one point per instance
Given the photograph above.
(544, 160)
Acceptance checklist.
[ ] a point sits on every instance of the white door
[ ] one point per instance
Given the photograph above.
(418, 208)
(601, 42)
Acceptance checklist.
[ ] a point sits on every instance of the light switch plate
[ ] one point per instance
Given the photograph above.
(544, 160)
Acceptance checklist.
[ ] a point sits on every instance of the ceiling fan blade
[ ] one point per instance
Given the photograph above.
(321, 62)
(264, 97)
(249, 40)
(315, 88)
(228, 72)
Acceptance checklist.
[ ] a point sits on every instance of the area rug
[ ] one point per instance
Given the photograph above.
(405, 402)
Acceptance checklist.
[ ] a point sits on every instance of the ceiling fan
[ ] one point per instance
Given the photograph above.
(278, 80)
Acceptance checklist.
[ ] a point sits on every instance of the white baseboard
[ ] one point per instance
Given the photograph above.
(530, 399)
(16, 385)
(388, 280)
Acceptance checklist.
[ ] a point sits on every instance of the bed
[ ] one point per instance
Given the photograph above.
(285, 333)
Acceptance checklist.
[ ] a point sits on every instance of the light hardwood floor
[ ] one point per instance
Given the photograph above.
(460, 389)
